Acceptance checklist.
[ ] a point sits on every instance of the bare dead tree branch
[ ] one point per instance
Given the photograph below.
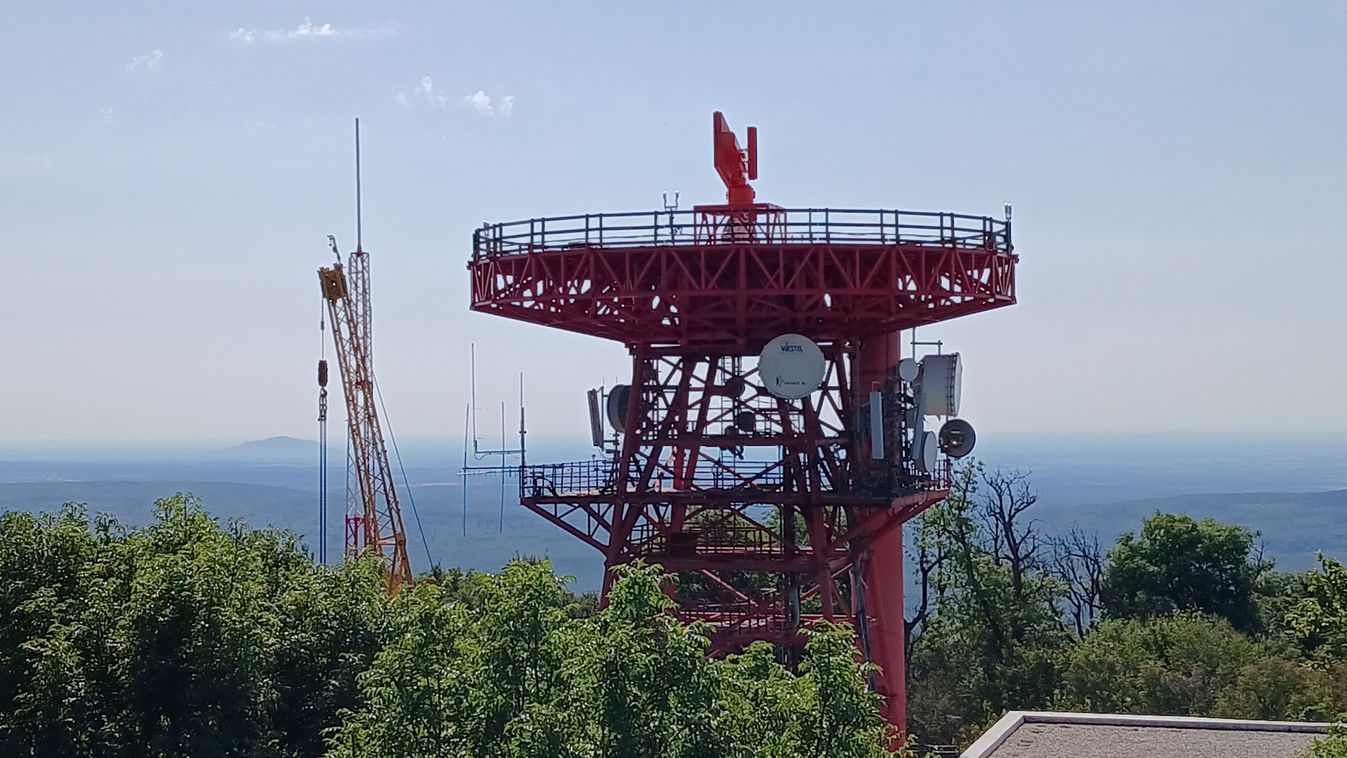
(1012, 539)
(1078, 563)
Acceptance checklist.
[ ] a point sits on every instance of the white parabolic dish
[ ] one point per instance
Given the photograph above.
(942, 384)
(791, 366)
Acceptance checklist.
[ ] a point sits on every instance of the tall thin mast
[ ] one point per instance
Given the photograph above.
(373, 514)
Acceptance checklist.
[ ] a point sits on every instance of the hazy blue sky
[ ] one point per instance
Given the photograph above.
(168, 172)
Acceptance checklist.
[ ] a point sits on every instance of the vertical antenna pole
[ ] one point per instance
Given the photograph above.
(472, 393)
(463, 472)
(358, 230)
(523, 448)
(504, 458)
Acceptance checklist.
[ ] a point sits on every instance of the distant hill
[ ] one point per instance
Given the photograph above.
(277, 449)
(485, 538)
(1105, 489)
(1294, 526)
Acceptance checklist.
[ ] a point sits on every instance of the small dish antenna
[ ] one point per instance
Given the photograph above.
(734, 387)
(791, 366)
(746, 421)
(616, 407)
(924, 449)
(941, 384)
(908, 370)
(957, 438)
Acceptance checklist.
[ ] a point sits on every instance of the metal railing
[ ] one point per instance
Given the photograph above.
(725, 537)
(598, 477)
(757, 225)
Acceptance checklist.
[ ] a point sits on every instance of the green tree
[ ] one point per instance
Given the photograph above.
(1177, 563)
(1334, 745)
(1278, 689)
(181, 638)
(189, 637)
(988, 627)
(1174, 665)
(524, 676)
(1318, 618)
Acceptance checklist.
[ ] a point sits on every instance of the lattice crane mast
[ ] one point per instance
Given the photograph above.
(373, 515)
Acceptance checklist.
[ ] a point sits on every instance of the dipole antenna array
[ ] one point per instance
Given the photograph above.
(503, 468)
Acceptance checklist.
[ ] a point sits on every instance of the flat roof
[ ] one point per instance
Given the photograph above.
(1047, 734)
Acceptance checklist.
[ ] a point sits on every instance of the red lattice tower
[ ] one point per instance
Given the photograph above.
(772, 512)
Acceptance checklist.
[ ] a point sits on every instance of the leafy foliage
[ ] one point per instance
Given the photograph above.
(188, 638)
(1276, 689)
(526, 678)
(183, 638)
(1177, 563)
(1195, 622)
(1175, 665)
(1319, 617)
(1334, 745)
(989, 636)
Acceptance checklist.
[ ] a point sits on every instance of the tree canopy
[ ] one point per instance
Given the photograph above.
(189, 637)
(1007, 615)
(192, 638)
(1178, 563)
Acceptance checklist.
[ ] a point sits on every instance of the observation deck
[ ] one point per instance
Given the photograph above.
(736, 276)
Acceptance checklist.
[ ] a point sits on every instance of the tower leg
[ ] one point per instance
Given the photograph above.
(355, 532)
(882, 564)
(883, 573)
(693, 488)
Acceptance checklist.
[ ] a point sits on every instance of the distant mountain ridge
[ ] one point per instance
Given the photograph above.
(1293, 526)
(280, 448)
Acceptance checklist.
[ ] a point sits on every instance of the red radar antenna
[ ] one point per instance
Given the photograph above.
(772, 439)
(737, 167)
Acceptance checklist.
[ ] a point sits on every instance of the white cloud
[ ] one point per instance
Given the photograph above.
(306, 30)
(108, 115)
(309, 29)
(478, 101)
(426, 89)
(487, 106)
(151, 61)
(425, 93)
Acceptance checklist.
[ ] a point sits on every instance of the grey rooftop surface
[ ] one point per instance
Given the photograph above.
(1028, 734)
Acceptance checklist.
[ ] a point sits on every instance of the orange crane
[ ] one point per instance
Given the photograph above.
(374, 520)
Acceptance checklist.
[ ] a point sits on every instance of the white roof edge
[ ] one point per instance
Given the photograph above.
(992, 738)
(1012, 720)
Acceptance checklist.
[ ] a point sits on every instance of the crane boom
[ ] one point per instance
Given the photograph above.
(376, 527)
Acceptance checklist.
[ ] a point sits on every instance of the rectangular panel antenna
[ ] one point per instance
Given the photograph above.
(595, 418)
(877, 425)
